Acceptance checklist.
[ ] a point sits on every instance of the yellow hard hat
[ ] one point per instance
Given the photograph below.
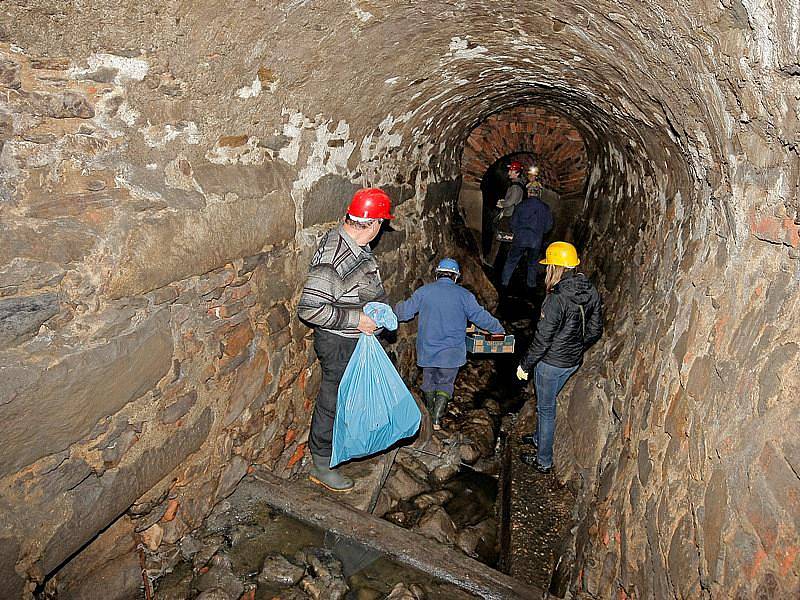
(562, 254)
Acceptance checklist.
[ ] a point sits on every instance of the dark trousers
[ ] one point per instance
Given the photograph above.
(500, 225)
(439, 379)
(515, 254)
(334, 352)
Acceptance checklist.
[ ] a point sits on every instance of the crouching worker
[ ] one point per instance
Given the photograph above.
(444, 309)
(571, 321)
(342, 278)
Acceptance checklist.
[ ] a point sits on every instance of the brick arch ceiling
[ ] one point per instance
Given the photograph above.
(548, 139)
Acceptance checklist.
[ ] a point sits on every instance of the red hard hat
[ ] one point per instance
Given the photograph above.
(515, 166)
(370, 203)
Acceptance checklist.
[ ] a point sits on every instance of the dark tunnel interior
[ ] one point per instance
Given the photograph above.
(167, 172)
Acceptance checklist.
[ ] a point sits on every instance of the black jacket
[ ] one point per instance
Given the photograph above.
(563, 334)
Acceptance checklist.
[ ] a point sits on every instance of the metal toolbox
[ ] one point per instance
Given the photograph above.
(483, 342)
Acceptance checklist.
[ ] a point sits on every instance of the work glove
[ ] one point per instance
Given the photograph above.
(522, 374)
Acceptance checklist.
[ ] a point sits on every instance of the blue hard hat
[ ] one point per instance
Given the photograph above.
(449, 265)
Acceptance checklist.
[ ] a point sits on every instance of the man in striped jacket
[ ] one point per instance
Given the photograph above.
(342, 278)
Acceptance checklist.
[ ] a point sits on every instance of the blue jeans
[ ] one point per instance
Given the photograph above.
(548, 381)
(515, 254)
(439, 379)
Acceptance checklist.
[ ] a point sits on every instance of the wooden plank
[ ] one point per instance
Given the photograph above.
(309, 504)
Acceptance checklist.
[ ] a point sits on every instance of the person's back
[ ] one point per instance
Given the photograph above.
(530, 222)
(515, 194)
(442, 322)
(571, 322)
(444, 308)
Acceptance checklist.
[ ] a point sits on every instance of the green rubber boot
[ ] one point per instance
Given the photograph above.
(439, 408)
(322, 474)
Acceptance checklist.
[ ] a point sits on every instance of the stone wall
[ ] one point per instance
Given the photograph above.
(677, 431)
(165, 172)
(153, 250)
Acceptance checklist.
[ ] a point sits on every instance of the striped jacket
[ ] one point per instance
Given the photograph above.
(342, 278)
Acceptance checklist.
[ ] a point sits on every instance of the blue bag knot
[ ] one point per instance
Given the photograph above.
(382, 314)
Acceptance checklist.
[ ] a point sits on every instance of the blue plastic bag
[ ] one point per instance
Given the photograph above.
(382, 314)
(374, 408)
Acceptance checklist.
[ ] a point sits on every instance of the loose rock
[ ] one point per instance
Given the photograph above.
(210, 546)
(470, 453)
(152, 537)
(190, 546)
(277, 569)
(220, 577)
(403, 486)
(325, 579)
(437, 524)
(438, 497)
(402, 592)
(400, 517)
(415, 467)
(443, 474)
(215, 594)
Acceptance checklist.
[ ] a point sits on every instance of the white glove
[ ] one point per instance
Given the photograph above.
(522, 374)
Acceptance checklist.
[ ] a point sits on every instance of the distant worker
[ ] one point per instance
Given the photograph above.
(444, 309)
(515, 193)
(571, 321)
(531, 221)
(535, 184)
(342, 278)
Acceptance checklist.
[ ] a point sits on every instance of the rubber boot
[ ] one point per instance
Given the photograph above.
(429, 401)
(439, 408)
(322, 474)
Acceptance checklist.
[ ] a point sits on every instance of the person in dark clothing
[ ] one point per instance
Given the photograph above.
(531, 221)
(515, 194)
(342, 278)
(571, 321)
(444, 309)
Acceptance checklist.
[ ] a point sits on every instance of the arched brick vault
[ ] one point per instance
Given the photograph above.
(554, 143)
(164, 174)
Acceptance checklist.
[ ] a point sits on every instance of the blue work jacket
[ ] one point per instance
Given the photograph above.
(444, 309)
(530, 222)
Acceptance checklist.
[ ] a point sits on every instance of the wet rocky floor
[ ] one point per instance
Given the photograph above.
(446, 487)
(247, 550)
(540, 512)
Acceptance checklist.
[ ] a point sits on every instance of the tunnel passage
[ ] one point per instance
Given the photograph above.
(538, 139)
(166, 173)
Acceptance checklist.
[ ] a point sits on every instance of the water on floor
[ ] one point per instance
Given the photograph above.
(265, 555)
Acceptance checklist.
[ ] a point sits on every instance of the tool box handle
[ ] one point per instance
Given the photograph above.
(495, 337)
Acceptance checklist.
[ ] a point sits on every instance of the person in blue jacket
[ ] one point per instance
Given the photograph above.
(531, 221)
(444, 309)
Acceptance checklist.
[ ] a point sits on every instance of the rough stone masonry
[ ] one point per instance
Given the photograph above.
(165, 170)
